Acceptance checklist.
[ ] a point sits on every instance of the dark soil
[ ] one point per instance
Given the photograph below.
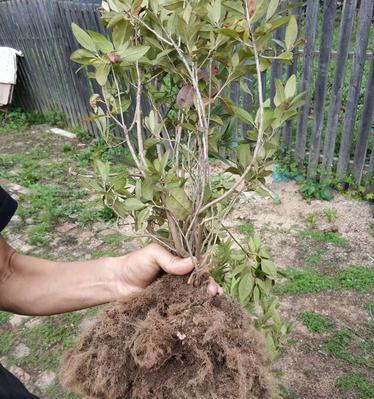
(171, 341)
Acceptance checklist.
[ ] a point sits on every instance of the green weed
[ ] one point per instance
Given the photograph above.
(355, 382)
(4, 317)
(331, 214)
(315, 322)
(246, 228)
(316, 257)
(6, 341)
(324, 237)
(305, 281)
(312, 220)
(113, 239)
(336, 345)
(357, 278)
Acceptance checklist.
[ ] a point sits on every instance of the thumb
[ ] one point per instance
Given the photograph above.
(175, 265)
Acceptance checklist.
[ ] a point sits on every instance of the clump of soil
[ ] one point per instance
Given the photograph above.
(171, 341)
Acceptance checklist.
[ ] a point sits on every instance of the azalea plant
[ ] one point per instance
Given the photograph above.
(164, 73)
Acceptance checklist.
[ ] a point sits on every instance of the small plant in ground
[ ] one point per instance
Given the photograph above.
(4, 317)
(315, 322)
(246, 228)
(311, 189)
(312, 220)
(357, 383)
(358, 278)
(305, 281)
(316, 257)
(337, 345)
(324, 237)
(331, 214)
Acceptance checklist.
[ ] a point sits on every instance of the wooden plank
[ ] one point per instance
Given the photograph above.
(362, 39)
(347, 19)
(291, 70)
(321, 85)
(306, 79)
(365, 128)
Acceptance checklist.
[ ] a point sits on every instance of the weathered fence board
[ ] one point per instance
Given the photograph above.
(364, 17)
(341, 61)
(306, 78)
(321, 83)
(49, 80)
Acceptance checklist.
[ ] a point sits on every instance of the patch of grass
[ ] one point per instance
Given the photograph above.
(6, 341)
(5, 317)
(50, 339)
(336, 345)
(331, 214)
(286, 393)
(363, 388)
(369, 307)
(37, 234)
(113, 239)
(357, 278)
(316, 257)
(103, 253)
(305, 281)
(324, 237)
(246, 228)
(312, 220)
(315, 322)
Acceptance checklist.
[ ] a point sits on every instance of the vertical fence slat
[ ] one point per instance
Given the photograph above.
(364, 18)
(321, 84)
(306, 79)
(346, 25)
(291, 70)
(365, 128)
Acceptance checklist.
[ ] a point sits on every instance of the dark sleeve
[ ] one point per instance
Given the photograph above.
(11, 387)
(8, 207)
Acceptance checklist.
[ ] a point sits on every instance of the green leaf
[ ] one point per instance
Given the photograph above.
(256, 295)
(103, 168)
(290, 88)
(141, 218)
(268, 267)
(244, 154)
(280, 95)
(178, 203)
(101, 42)
(243, 115)
(291, 33)
(261, 8)
(272, 8)
(83, 38)
(245, 287)
(148, 189)
(133, 204)
(133, 54)
(82, 56)
(102, 72)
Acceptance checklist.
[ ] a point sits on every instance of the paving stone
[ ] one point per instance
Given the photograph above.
(99, 226)
(34, 322)
(20, 351)
(85, 236)
(22, 246)
(29, 221)
(45, 380)
(20, 374)
(65, 227)
(17, 320)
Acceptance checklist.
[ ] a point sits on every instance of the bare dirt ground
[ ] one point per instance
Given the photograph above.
(329, 245)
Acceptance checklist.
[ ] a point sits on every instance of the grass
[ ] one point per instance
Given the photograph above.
(324, 237)
(358, 278)
(6, 342)
(4, 317)
(315, 322)
(305, 281)
(316, 257)
(246, 228)
(301, 281)
(50, 339)
(357, 383)
(336, 345)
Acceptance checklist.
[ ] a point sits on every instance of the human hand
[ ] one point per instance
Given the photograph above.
(140, 268)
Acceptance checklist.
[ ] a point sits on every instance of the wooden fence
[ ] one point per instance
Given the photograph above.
(335, 69)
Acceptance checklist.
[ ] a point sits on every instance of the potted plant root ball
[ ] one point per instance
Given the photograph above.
(165, 77)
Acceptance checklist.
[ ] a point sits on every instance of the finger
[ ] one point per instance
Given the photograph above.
(214, 289)
(173, 264)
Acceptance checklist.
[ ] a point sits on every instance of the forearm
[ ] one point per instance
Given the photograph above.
(42, 287)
